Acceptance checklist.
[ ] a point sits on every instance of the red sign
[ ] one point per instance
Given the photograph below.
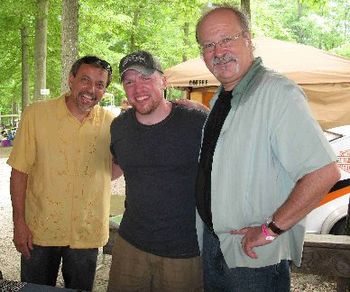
(344, 160)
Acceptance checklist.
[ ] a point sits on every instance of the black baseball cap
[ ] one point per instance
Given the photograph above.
(141, 61)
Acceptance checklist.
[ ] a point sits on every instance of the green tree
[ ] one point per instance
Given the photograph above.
(245, 6)
(113, 28)
(70, 29)
(40, 48)
(25, 67)
(322, 24)
(14, 17)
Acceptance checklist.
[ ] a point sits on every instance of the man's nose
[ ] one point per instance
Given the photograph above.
(218, 49)
(138, 85)
(91, 87)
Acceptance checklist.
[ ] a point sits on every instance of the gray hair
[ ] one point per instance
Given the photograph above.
(242, 18)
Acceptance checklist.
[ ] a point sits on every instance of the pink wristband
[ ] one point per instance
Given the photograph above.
(266, 233)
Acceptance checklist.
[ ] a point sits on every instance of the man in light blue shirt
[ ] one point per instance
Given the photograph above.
(264, 164)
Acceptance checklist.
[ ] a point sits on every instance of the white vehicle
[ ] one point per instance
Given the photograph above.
(330, 215)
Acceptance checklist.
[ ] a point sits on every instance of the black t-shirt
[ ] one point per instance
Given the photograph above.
(160, 166)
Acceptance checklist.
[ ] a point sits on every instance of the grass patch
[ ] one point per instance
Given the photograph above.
(117, 205)
(117, 219)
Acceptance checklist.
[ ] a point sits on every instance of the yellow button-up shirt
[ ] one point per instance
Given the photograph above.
(69, 174)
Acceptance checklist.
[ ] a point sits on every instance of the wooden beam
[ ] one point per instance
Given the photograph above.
(328, 255)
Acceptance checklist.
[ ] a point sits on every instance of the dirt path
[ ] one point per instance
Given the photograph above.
(9, 257)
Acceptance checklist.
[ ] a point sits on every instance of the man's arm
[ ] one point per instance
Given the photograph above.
(306, 195)
(116, 171)
(22, 236)
(192, 104)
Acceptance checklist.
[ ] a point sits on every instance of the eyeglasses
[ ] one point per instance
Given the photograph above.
(99, 62)
(226, 42)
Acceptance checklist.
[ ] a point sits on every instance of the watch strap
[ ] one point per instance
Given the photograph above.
(274, 228)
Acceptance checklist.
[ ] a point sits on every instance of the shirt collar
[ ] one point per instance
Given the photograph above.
(248, 77)
(245, 82)
(64, 111)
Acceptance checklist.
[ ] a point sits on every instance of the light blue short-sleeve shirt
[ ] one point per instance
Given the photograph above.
(268, 142)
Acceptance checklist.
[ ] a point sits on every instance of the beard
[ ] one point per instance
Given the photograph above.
(86, 101)
(225, 63)
(146, 108)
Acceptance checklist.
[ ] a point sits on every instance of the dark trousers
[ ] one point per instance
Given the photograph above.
(78, 266)
(218, 277)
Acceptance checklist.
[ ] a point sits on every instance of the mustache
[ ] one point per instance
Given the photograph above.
(224, 59)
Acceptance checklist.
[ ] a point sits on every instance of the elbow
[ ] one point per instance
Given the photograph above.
(337, 174)
(334, 174)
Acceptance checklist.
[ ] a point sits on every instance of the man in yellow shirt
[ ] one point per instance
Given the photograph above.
(60, 180)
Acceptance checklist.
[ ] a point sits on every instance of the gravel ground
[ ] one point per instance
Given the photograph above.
(9, 257)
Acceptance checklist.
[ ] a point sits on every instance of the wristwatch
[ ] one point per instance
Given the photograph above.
(272, 225)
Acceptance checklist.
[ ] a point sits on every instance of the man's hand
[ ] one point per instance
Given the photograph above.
(192, 104)
(23, 239)
(117, 172)
(251, 237)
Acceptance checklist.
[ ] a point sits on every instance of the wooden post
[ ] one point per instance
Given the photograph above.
(343, 284)
(347, 222)
(327, 255)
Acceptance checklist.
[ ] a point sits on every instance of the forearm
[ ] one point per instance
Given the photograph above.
(18, 187)
(193, 104)
(306, 195)
(22, 236)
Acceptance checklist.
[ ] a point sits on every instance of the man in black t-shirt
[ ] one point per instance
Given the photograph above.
(156, 144)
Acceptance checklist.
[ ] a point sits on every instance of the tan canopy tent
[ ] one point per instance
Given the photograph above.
(325, 78)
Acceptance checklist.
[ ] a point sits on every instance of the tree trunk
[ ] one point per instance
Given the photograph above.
(70, 29)
(245, 6)
(132, 34)
(25, 67)
(347, 12)
(14, 109)
(40, 48)
(300, 34)
(300, 9)
(186, 40)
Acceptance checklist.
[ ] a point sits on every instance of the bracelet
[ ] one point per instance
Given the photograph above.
(266, 233)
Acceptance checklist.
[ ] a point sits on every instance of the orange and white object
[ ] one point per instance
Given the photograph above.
(330, 215)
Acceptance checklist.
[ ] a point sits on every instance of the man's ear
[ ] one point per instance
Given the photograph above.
(70, 80)
(164, 82)
(247, 38)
